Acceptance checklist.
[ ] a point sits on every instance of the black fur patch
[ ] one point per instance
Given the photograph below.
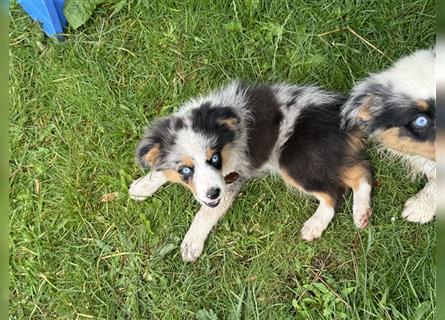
(297, 91)
(315, 153)
(397, 110)
(159, 133)
(206, 119)
(390, 110)
(290, 103)
(179, 124)
(264, 129)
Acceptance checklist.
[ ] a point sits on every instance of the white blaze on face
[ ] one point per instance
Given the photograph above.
(205, 177)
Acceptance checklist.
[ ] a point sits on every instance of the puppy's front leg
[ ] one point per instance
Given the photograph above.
(422, 207)
(204, 221)
(146, 186)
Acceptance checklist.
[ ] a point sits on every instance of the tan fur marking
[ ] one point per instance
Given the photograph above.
(326, 197)
(152, 155)
(422, 105)
(209, 153)
(353, 176)
(365, 112)
(319, 195)
(225, 155)
(230, 122)
(187, 161)
(172, 176)
(392, 139)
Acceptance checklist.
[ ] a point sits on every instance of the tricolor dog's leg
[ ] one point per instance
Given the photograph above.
(361, 207)
(146, 186)
(422, 207)
(358, 178)
(315, 225)
(204, 221)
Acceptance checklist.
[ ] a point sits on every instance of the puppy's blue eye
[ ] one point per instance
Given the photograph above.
(185, 171)
(215, 158)
(420, 121)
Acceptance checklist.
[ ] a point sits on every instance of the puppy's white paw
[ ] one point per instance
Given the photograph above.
(191, 248)
(138, 190)
(138, 197)
(312, 229)
(361, 218)
(417, 210)
(143, 188)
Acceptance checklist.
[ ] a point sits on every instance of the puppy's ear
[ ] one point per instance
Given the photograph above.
(147, 154)
(359, 108)
(227, 124)
(228, 120)
(150, 149)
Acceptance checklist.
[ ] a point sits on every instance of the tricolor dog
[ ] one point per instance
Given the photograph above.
(217, 142)
(397, 109)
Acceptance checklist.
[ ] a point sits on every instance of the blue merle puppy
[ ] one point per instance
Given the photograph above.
(214, 143)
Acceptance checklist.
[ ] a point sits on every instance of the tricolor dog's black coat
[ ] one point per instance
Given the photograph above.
(217, 142)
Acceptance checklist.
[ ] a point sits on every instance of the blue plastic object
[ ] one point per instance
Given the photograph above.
(49, 13)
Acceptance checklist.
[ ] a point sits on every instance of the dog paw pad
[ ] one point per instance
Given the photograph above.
(416, 211)
(362, 220)
(191, 249)
(312, 229)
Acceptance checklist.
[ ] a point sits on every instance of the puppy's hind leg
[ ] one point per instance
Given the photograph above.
(315, 225)
(358, 178)
(146, 186)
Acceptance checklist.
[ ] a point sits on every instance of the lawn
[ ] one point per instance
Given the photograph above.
(78, 108)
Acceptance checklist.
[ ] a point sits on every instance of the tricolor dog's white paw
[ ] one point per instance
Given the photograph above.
(146, 186)
(191, 248)
(417, 210)
(361, 218)
(140, 190)
(312, 229)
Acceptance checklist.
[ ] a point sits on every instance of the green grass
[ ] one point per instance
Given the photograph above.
(78, 108)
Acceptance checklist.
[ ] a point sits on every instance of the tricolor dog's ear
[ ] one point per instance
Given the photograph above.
(208, 118)
(228, 120)
(359, 109)
(149, 152)
(219, 121)
(227, 124)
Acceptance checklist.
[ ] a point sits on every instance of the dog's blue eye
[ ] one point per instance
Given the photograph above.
(420, 121)
(215, 158)
(185, 171)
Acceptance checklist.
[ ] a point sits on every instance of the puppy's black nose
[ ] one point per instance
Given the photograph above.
(213, 193)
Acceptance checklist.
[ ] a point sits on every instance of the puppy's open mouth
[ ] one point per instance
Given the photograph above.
(212, 204)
